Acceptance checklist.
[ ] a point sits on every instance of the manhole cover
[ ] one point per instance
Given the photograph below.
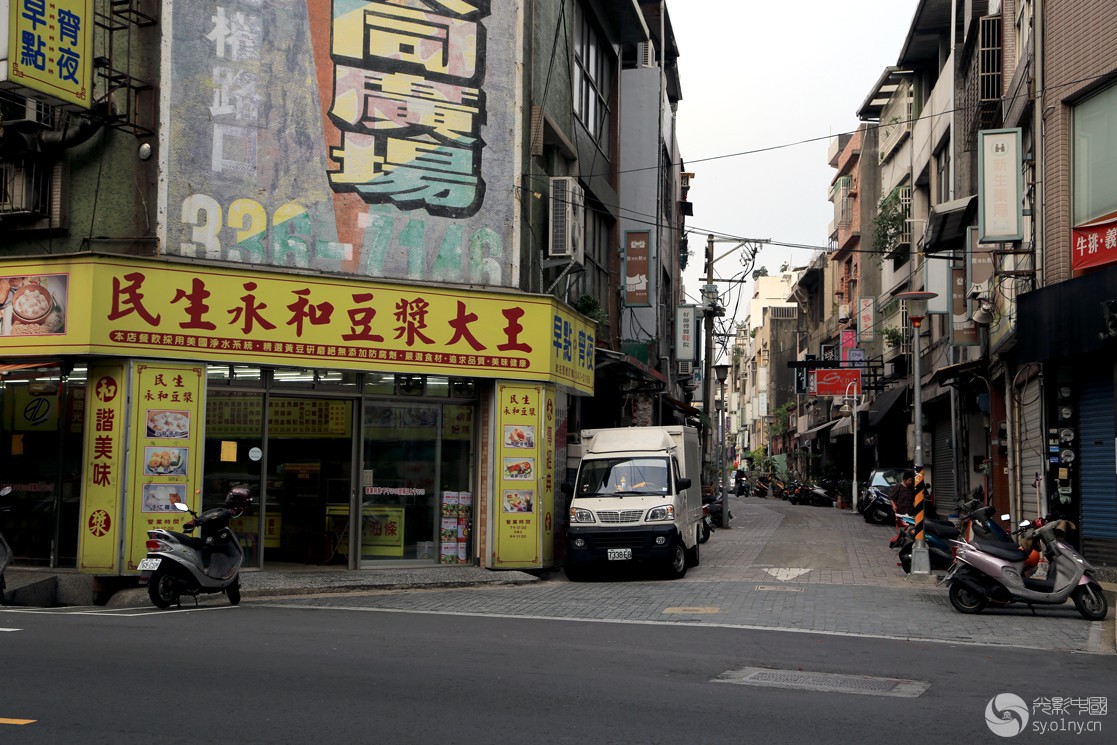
(833, 682)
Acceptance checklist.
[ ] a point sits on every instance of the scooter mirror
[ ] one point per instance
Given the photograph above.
(1006, 517)
(181, 507)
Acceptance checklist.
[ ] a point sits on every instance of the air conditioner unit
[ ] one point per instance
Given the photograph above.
(686, 367)
(646, 52)
(843, 312)
(567, 219)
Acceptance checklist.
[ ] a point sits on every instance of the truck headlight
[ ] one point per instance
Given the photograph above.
(580, 515)
(663, 512)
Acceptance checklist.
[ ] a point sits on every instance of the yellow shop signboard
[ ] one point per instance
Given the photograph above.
(176, 310)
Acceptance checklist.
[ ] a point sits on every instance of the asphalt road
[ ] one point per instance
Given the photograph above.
(796, 627)
(268, 674)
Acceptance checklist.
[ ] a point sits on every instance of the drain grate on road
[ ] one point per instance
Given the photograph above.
(778, 588)
(830, 682)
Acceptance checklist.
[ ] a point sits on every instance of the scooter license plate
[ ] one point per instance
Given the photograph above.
(149, 565)
(619, 554)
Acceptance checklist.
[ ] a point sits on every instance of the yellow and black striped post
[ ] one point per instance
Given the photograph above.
(918, 509)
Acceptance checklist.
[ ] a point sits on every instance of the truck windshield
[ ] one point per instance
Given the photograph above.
(612, 476)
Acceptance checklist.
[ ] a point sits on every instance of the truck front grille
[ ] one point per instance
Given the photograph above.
(620, 516)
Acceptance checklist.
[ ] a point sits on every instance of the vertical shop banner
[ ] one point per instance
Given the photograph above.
(685, 328)
(866, 319)
(547, 490)
(103, 470)
(636, 260)
(165, 440)
(517, 507)
(50, 49)
(1000, 186)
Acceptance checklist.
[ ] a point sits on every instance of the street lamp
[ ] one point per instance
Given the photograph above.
(722, 372)
(917, 311)
(846, 410)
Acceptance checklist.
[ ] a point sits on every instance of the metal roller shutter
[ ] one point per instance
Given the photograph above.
(1097, 462)
(942, 465)
(1030, 449)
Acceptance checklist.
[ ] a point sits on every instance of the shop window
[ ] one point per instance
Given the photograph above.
(248, 376)
(411, 385)
(234, 451)
(1095, 157)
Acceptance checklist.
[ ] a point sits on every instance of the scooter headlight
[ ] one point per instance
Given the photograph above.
(663, 512)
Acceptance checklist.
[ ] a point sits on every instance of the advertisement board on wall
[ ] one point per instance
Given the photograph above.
(190, 311)
(103, 471)
(523, 507)
(389, 156)
(637, 252)
(167, 426)
(50, 49)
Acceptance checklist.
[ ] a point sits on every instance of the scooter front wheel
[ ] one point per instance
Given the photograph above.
(966, 600)
(163, 590)
(233, 591)
(1090, 602)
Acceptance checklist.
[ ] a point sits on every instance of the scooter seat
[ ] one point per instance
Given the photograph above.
(941, 528)
(188, 540)
(1006, 551)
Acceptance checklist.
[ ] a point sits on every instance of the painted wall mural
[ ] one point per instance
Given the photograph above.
(344, 136)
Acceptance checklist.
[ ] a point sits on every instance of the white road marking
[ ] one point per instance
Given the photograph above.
(785, 574)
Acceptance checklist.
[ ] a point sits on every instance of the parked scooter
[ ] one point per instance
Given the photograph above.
(985, 573)
(5, 549)
(707, 524)
(179, 564)
(811, 494)
(939, 535)
(711, 507)
(876, 506)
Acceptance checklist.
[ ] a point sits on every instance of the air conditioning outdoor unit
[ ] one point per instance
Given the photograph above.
(566, 219)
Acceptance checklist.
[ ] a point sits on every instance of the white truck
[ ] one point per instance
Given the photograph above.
(637, 498)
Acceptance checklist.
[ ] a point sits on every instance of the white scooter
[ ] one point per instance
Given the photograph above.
(5, 549)
(179, 564)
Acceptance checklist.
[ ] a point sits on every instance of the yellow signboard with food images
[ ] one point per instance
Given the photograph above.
(520, 506)
(104, 477)
(177, 310)
(166, 436)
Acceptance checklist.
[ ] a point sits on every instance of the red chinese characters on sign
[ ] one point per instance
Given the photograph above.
(105, 391)
(412, 322)
(1094, 244)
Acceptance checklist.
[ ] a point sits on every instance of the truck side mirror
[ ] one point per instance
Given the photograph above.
(566, 488)
(682, 483)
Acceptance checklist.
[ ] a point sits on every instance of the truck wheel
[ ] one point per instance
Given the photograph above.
(574, 573)
(676, 566)
(692, 557)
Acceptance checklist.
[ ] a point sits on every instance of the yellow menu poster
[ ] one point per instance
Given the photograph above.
(166, 440)
(517, 503)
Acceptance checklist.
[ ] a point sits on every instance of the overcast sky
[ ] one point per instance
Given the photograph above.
(759, 75)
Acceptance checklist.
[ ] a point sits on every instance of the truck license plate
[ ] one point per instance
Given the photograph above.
(149, 565)
(619, 554)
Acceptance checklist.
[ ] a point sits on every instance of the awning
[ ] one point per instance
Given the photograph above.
(945, 375)
(14, 366)
(949, 220)
(628, 367)
(885, 402)
(683, 406)
(813, 432)
(844, 426)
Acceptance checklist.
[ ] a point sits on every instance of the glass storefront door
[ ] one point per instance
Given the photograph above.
(416, 484)
(309, 479)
